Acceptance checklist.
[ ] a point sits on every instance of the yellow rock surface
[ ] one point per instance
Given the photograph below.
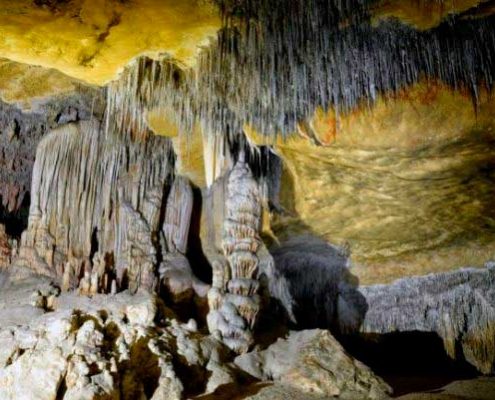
(23, 84)
(188, 148)
(92, 40)
(407, 185)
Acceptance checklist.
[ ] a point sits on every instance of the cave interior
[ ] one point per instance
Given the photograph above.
(247, 199)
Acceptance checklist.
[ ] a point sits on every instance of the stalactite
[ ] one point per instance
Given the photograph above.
(275, 62)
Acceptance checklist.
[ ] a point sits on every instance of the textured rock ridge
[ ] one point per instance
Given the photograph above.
(459, 306)
(314, 362)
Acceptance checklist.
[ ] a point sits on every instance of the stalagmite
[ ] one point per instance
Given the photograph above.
(234, 300)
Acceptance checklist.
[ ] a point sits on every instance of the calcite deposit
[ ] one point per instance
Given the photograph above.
(226, 199)
(234, 298)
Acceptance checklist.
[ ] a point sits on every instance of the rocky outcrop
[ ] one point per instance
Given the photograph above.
(459, 306)
(126, 347)
(314, 362)
(107, 348)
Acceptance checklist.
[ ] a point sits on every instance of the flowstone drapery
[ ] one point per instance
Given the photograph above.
(105, 211)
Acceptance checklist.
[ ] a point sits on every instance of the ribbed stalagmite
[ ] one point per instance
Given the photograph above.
(234, 299)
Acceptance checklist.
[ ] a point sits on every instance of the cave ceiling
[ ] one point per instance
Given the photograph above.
(91, 40)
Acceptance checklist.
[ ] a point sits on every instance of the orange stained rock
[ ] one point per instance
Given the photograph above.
(405, 182)
(422, 14)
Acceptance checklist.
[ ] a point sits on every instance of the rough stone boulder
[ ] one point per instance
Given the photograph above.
(313, 362)
(104, 347)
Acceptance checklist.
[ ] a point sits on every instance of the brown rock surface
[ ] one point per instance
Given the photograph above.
(475, 389)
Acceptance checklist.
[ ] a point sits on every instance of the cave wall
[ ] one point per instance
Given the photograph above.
(407, 185)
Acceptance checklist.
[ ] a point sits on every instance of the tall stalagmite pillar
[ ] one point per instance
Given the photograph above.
(234, 299)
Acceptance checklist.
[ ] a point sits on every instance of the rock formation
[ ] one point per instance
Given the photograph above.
(234, 298)
(96, 213)
(314, 362)
(107, 348)
(459, 306)
(190, 212)
(132, 346)
(21, 131)
(244, 277)
(5, 248)
(175, 271)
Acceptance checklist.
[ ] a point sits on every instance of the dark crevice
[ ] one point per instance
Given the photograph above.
(408, 361)
(16, 221)
(94, 243)
(195, 255)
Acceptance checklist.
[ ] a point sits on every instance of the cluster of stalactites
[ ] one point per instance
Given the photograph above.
(96, 210)
(275, 67)
(143, 85)
(234, 299)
